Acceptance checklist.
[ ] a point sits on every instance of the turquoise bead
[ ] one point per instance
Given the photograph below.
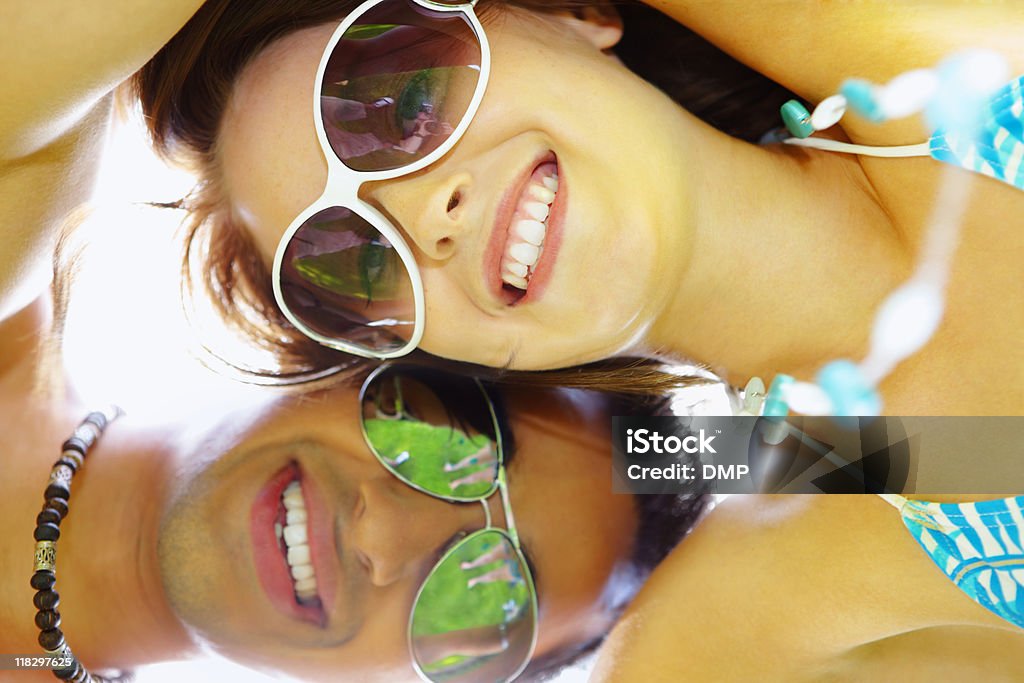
(860, 97)
(775, 404)
(797, 119)
(848, 389)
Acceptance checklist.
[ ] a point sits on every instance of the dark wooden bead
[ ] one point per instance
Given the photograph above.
(51, 638)
(57, 491)
(59, 505)
(48, 516)
(43, 580)
(47, 618)
(47, 532)
(98, 419)
(75, 444)
(68, 673)
(46, 599)
(69, 462)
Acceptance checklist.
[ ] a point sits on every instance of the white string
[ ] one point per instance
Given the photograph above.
(918, 150)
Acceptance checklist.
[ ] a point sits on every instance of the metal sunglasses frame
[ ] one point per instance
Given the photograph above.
(343, 183)
(500, 484)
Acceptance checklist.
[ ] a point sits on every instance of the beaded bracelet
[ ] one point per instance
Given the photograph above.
(47, 533)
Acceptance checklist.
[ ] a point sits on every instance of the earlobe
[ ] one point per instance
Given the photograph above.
(600, 24)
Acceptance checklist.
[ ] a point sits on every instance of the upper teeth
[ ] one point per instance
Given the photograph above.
(296, 536)
(526, 239)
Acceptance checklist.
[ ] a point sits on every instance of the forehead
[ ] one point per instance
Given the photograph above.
(270, 161)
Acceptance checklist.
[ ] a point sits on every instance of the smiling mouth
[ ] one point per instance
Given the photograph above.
(292, 533)
(527, 231)
(284, 550)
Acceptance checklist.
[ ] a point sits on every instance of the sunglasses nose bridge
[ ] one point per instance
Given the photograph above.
(400, 529)
(431, 209)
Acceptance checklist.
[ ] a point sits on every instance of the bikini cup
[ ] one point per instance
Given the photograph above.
(979, 546)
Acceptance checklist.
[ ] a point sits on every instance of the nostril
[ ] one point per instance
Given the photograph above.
(453, 201)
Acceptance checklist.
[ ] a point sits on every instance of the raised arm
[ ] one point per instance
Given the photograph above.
(61, 60)
(811, 46)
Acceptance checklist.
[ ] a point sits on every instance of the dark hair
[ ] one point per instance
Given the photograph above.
(663, 520)
(183, 92)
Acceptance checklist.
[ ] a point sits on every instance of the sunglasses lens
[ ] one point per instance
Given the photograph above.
(475, 616)
(343, 279)
(433, 431)
(397, 84)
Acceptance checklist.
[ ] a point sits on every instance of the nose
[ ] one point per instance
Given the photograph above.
(430, 208)
(397, 529)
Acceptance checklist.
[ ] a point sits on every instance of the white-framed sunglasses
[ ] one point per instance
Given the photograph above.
(397, 87)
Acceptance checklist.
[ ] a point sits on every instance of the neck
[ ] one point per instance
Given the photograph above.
(114, 612)
(791, 257)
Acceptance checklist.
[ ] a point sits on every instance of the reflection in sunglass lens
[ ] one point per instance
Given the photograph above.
(474, 617)
(397, 84)
(343, 279)
(442, 446)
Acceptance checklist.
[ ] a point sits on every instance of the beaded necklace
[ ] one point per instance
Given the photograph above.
(47, 533)
(954, 97)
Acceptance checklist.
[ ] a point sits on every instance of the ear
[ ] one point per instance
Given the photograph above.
(599, 23)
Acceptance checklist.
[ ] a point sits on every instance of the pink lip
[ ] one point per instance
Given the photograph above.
(271, 565)
(500, 233)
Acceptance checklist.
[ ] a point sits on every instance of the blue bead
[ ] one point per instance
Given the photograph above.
(860, 97)
(848, 389)
(797, 119)
(775, 404)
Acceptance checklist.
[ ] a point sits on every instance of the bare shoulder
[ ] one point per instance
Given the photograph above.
(783, 588)
(708, 596)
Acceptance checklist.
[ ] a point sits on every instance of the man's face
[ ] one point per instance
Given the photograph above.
(373, 539)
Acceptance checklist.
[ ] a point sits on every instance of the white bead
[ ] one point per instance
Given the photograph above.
(753, 397)
(808, 399)
(828, 112)
(907, 320)
(979, 70)
(908, 93)
(775, 432)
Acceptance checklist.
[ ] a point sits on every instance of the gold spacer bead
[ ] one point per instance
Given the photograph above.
(46, 556)
(61, 652)
(61, 475)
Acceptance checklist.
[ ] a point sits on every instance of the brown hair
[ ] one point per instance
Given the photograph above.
(183, 92)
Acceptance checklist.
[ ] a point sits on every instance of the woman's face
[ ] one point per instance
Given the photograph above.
(373, 539)
(555, 103)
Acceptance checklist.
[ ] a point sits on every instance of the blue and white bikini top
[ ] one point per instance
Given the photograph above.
(979, 546)
(995, 148)
(998, 148)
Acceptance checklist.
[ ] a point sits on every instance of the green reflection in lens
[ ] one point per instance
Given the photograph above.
(370, 272)
(367, 31)
(474, 607)
(440, 459)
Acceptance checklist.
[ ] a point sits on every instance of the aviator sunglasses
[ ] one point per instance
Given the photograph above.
(474, 617)
(397, 87)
